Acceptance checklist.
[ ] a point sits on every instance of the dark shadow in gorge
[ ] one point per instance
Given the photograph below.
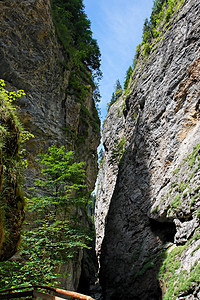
(132, 248)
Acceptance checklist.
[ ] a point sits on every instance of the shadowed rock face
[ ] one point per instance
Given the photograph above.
(11, 196)
(154, 191)
(32, 58)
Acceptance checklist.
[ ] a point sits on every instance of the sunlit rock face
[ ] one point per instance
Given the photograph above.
(151, 197)
(113, 130)
(32, 59)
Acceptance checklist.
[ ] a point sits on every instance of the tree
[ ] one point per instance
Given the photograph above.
(82, 54)
(157, 7)
(64, 181)
(127, 77)
(101, 156)
(147, 31)
(74, 30)
(53, 235)
(115, 95)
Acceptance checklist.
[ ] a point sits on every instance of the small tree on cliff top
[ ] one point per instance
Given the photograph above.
(115, 95)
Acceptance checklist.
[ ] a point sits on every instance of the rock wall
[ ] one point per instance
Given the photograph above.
(151, 245)
(113, 130)
(32, 58)
(11, 197)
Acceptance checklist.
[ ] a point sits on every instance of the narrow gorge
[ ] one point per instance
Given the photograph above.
(147, 210)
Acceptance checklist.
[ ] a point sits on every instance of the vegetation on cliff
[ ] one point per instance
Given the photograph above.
(174, 277)
(161, 13)
(116, 94)
(82, 51)
(55, 236)
(12, 137)
(82, 59)
(52, 234)
(152, 30)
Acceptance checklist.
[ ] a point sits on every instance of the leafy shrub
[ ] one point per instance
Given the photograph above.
(146, 49)
(55, 236)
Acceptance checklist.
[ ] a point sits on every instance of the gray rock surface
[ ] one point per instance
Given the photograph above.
(154, 203)
(113, 132)
(32, 58)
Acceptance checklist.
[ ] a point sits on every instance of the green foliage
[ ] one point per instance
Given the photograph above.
(146, 49)
(176, 202)
(12, 137)
(195, 154)
(82, 51)
(175, 278)
(183, 186)
(53, 235)
(10, 96)
(147, 31)
(74, 30)
(127, 77)
(176, 170)
(43, 249)
(152, 33)
(8, 112)
(117, 152)
(115, 95)
(198, 213)
(64, 181)
(180, 190)
(156, 12)
(161, 12)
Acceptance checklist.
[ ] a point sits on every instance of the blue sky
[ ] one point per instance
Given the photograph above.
(117, 26)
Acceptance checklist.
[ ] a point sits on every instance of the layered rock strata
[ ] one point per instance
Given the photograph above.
(151, 244)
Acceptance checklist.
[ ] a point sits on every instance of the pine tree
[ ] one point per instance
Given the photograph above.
(116, 94)
(128, 76)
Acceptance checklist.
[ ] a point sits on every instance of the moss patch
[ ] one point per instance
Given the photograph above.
(12, 163)
(176, 279)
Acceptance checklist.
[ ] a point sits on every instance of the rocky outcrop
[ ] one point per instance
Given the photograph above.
(32, 58)
(151, 245)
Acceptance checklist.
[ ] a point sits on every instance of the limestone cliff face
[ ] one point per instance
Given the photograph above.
(113, 131)
(31, 58)
(151, 245)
